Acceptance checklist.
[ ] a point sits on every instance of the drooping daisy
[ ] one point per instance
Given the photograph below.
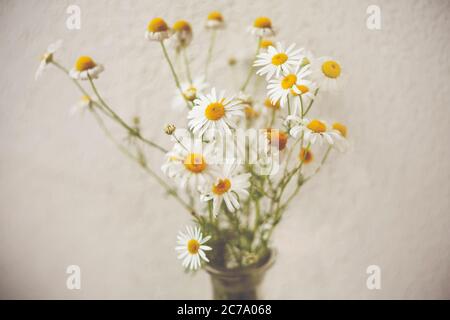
(191, 163)
(47, 58)
(277, 60)
(262, 27)
(182, 34)
(215, 20)
(342, 144)
(157, 30)
(83, 104)
(306, 156)
(228, 187)
(279, 89)
(313, 130)
(191, 247)
(327, 71)
(214, 112)
(305, 92)
(85, 68)
(277, 139)
(191, 92)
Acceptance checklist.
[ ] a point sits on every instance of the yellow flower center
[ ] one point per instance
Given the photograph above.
(193, 246)
(277, 138)
(279, 59)
(303, 89)
(190, 94)
(306, 156)
(157, 25)
(331, 69)
(341, 128)
(215, 111)
(86, 99)
(215, 15)
(268, 103)
(265, 43)
(262, 22)
(195, 162)
(288, 81)
(84, 63)
(317, 126)
(182, 25)
(221, 186)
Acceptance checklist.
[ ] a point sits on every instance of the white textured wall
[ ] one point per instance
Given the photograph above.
(67, 196)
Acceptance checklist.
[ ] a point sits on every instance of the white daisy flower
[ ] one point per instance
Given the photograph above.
(262, 27)
(313, 130)
(215, 20)
(191, 247)
(305, 94)
(47, 58)
(279, 89)
(214, 112)
(228, 187)
(327, 71)
(182, 34)
(342, 144)
(83, 104)
(190, 91)
(157, 30)
(277, 60)
(191, 163)
(85, 68)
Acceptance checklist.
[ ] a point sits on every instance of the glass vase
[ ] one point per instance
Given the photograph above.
(239, 283)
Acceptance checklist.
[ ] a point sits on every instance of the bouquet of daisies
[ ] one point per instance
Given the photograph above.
(242, 158)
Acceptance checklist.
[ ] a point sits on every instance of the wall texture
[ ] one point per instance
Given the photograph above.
(68, 197)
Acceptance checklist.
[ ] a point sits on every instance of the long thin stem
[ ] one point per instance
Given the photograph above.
(116, 117)
(250, 70)
(56, 64)
(143, 164)
(172, 69)
(186, 64)
(210, 52)
(310, 103)
(325, 157)
(174, 74)
(108, 111)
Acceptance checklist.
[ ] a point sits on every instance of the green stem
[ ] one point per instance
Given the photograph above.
(126, 152)
(250, 70)
(310, 103)
(172, 69)
(56, 64)
(210, 51)
(186, 64)
(116, 117)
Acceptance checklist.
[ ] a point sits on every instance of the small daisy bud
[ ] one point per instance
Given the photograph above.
(169, 129)
(214, 20)
(232, 61)
(136, 120)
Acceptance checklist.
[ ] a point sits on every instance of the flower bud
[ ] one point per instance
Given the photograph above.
(169, 129)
